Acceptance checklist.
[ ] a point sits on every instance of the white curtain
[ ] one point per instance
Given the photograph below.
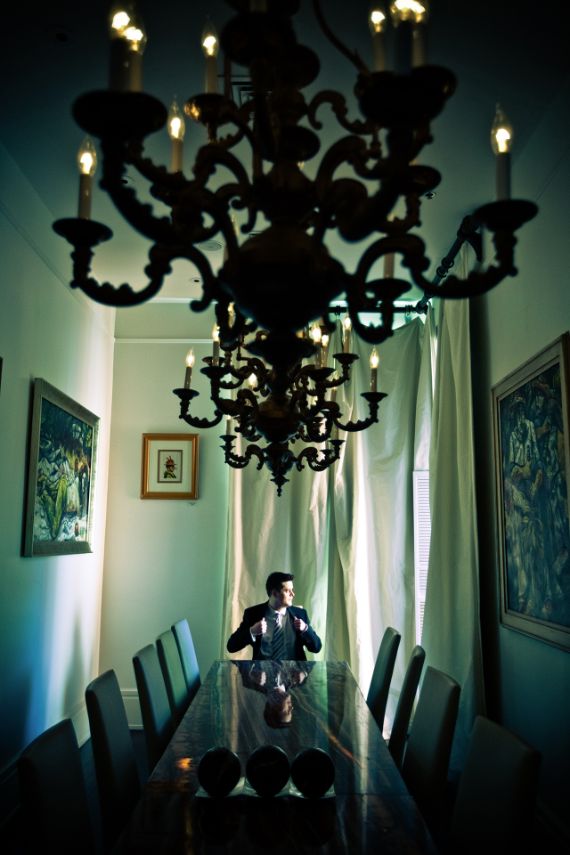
(451, 631)
(347, 533)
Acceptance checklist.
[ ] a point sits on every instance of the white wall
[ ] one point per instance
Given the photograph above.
(49, 606)
(523, 316)
(164, 558)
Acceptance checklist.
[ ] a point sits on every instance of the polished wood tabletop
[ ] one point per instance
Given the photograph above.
(293, 705)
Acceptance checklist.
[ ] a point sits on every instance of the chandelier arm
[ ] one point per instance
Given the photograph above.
(353, 56)
(373, 399)
(339, 108)
(186, 395)
(327, 457)
(139, 215)
(240, 461)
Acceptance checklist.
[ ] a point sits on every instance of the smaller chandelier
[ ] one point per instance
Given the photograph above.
(292, 400)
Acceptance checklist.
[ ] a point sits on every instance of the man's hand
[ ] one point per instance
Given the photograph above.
(299, 624)
(259, 628)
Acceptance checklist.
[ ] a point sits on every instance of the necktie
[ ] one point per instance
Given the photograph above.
(278, 648)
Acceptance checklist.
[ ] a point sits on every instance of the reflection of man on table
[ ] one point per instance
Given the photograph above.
(276, 629)
(275, 680)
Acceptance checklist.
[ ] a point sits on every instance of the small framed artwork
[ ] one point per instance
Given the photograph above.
(532, 464)
(61, 469)
(170, 466)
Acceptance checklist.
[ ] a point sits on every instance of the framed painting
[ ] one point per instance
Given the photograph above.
(170, 466)
(61, 470)
(532, 463)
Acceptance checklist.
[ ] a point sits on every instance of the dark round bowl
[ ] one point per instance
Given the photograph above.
(312, 772)
(219, 771)
(267, 770)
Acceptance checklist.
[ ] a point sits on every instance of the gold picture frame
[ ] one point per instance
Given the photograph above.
(169, 466)
(532, 465)
(61, 474)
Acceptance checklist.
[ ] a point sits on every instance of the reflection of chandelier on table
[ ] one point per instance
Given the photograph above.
(368, 186)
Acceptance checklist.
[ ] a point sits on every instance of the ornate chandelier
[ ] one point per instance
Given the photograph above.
(281, 275)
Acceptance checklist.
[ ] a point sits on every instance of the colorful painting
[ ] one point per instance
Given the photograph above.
(531, 441)
(170, 466)
(61, 470)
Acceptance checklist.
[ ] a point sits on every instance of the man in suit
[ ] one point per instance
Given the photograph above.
(276, 629)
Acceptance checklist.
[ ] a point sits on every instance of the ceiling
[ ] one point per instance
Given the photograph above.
(500, 51)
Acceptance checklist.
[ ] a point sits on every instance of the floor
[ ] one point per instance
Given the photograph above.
(13, 836)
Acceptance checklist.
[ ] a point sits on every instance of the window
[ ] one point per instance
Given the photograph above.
(422, 537)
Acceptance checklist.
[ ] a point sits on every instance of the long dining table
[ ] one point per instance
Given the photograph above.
(243, 705)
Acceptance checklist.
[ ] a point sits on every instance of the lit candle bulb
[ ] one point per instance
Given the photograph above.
(501, 141)
(215, 344)
(210, 45)
(316, 335)
(190, 360)
(325, 339)
(374, 362)
(128, 41)
(87, 161)
(410, 18)
(176, 129)
(377, 23)
(231, 315)
(252, 381)
(346, 330)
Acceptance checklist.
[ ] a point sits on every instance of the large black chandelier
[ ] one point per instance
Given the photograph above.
(279, 276)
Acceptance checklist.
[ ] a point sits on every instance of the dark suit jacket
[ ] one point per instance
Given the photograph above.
(242, 636)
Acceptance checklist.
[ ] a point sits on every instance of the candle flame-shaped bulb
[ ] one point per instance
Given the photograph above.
(501, 133)
(176, 123)
(190, 359)
(316, 333)
(210, 43)
(215, 333)
(252, 380)
(123, 24)
(325, 340)
(377, 18)
(231, 315)
(347, 324)
(374, 358)
(409, 10)
(87, 158)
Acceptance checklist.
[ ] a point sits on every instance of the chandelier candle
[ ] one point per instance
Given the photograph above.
(377, 22)
(374, 362)
(501, 142)
(215, 345)
(128, 40)
(176, 130)
(87, 161)
(210, 46)
(190, 360)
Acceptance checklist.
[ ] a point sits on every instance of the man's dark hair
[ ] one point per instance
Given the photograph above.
(275, 581)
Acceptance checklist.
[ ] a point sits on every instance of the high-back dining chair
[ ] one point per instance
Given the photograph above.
(399, 734)
(158, 723)
(116, 769)
(377, 696)
(183, 636)
(426, 759)
(53, 793)
(173, 673)
(496, 796)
